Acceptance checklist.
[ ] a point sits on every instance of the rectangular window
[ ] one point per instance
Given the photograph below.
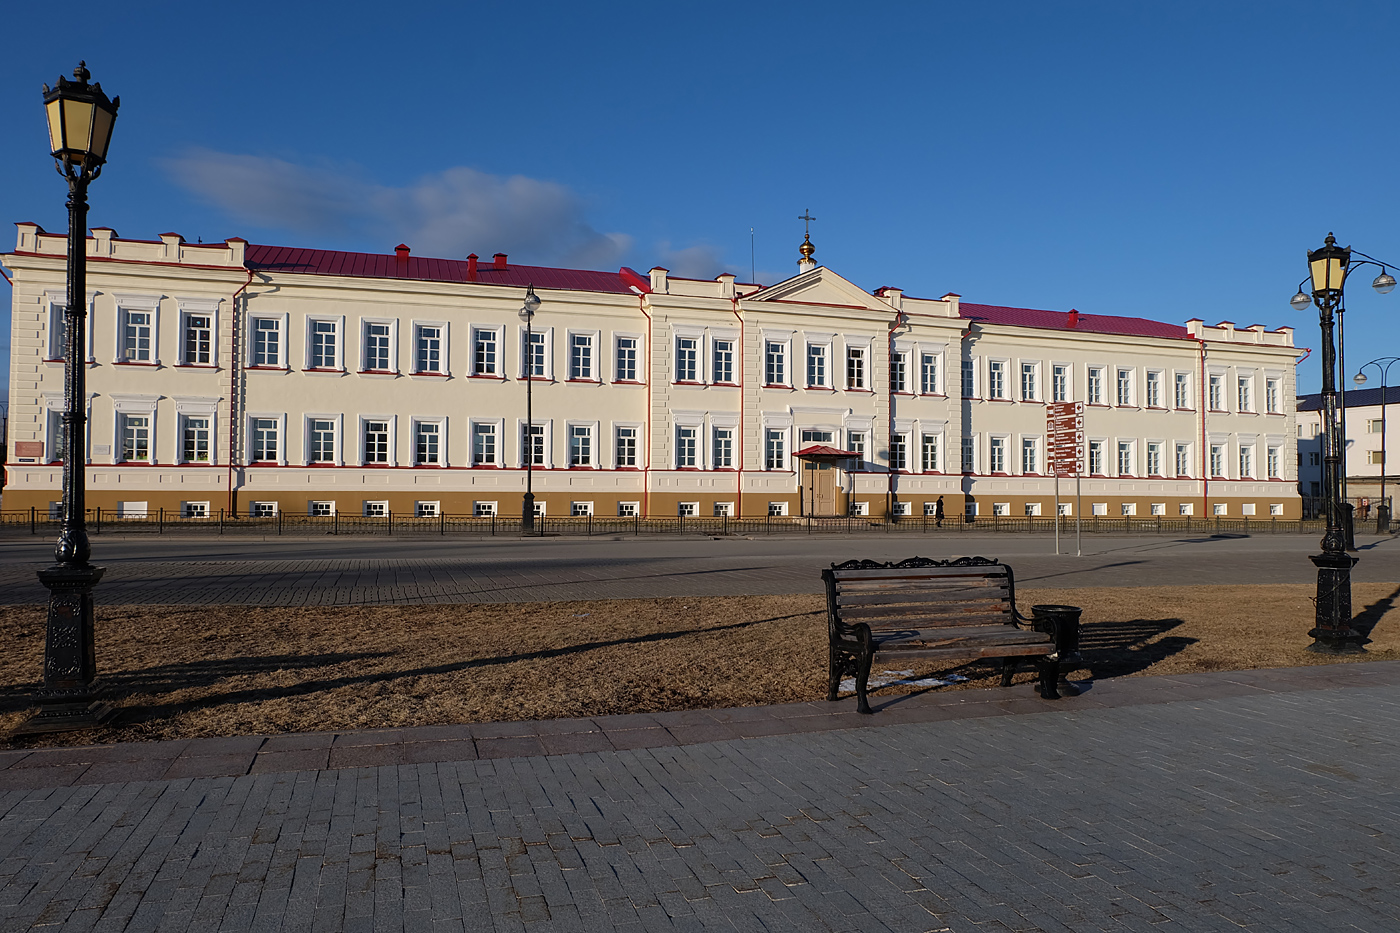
(724, 360)
(996, 455)
(427, 443)
(686, 443)
(580, 445)
(1246, 463)
(1159, 508)
(626, 447)
(969, 454)
(1125, 458)
(322, 431)
(1376, 456)
(724, 509)
(855, 367)
(1125, 387)
(199, 340)
(816, 366)
(136, 337)
(1154, 459)
(627, 359)
(1271, 396)
(1060, 383)
(262, 509)
(1217, 460)
(265, 446)
(1245, 394)
(777, 508)
(724, 448)
(377, 509)
(1183, 390)
(267, 341)
(1154, 390)
(688, 509)
(996, 379)
(1217, 393)
(535, 354)
(484, 351)
(969, 378)
(928, 374)
(194, 509)
(425, 509)
(581, 357)
(194, 440)
(322, 508)
(376, 442)
(324, 345)
(58, 331)
(532, 443)
(1028, 382)
(929, 453)
(483, 444)
(1374, 425)
(484, 509)
(1183, 460)
(899, 452)
(428, 349)
(775, 449)
(1274, 459)
(1029, 455)
(774, 363)
(1128, 508)
(687, 359)
(855, 443)
(627, 509)
(56, 439)
(1094, 396)
(377, 346)
(1096, 458)
(580, 509)
(136, 437)
(898, 366)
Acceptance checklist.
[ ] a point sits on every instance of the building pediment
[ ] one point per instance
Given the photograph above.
(821, 286)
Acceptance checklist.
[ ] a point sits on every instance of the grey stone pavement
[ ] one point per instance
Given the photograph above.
(374, 571)
(1261, 800)
(1256, 800)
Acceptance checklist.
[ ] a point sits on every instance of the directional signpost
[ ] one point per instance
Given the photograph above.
(1064, 427)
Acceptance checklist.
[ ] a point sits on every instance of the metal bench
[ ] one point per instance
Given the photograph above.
(954, 610)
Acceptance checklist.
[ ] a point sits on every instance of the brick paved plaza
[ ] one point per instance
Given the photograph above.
(1261, 800)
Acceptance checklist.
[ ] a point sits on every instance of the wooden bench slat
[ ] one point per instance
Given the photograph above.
(938, 638)
(879, 614)
(924, 601)
(848, 593)
(967, 654)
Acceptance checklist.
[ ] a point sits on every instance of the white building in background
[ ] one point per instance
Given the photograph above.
(1362, 461)
(258, 379)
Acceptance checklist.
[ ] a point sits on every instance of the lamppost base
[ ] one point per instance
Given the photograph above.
(54, 716)
(69, 699)
(1333, 633)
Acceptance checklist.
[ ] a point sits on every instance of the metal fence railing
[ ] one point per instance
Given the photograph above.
(161, 522)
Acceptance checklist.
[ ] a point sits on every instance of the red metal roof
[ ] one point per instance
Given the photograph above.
(821, 450)
(1059, 320)
(389, 266)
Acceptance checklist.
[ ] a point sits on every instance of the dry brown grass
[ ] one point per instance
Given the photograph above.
(182, 672)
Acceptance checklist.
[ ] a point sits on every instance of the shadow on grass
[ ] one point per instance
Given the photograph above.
(1368, 618)
(208, 674)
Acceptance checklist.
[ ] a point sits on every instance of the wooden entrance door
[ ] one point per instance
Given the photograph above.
(821, 487)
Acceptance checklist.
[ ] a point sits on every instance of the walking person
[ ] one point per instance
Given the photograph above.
(938, 513)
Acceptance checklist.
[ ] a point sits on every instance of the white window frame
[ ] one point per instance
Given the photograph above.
(252, 418)
(581, 509)
(783, 346)
(498, 332)
(1124, 387)
(899, 366)
(374, 508)
(629, 509)
(927, 385)
(393, 336)
(1129, 446)
(694, 373)
(546, 339)
(594, 448)
(391, 421)
(968, 445)
(190, 509)
(546, 430)
(724, 423)
(190, 407)
(1093, 444)
(688, 509)
(427, 508)
(1273, 395)
(997, 443)
(143, 304)
(283, 351)
(1030, 368)
(924, 459)
(1216, 380)
(498, 425)
(996, 379)
(1032, 443)
(313, 503)
(594, 339)
(485, 509)
(1159, 449)
(860, 351)
(1180, 450)
(124, 405)
(199, 307)
(440, 421)
(57, 304)
(444, 348)
(1178, 383)
(733, 359)
(967, 378)
(638, 453)
(1061, 382)
(1153, 378)
(264, 508)
(1093, 385)
(309, 333)
(818, 352)
(783, 434)
(639, 360)
(1247, 462)
(337, 423)
(1245, 398)
(694, 423)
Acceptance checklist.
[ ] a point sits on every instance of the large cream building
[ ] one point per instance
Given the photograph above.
(257, 379)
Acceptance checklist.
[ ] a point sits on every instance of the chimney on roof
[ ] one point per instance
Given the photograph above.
(1073, 317)
(401, 252)
(471, 267)
(500, 260)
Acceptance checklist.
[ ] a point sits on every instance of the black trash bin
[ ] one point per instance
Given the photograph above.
(1061, 623)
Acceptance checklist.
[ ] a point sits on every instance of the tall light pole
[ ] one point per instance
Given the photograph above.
(80, 119)
(527, 314)
(1328, 269)
(1382, 364)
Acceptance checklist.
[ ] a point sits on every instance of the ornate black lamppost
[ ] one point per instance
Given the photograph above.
(80, 127)
(1382, 364)
(527, 314)
(1329, 268)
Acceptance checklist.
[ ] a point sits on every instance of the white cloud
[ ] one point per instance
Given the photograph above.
(448, 214)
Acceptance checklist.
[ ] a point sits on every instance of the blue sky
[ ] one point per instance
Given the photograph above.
(1164, 160)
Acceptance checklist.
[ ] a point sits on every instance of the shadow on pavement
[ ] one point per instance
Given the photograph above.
(1116, 649)
(1367, 619)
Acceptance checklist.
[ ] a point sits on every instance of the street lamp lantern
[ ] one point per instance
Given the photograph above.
(80, 119)
(1328, 269)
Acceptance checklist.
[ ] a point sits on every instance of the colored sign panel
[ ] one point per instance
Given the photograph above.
(1064, 428)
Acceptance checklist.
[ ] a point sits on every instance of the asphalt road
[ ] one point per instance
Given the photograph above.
(385, 571)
